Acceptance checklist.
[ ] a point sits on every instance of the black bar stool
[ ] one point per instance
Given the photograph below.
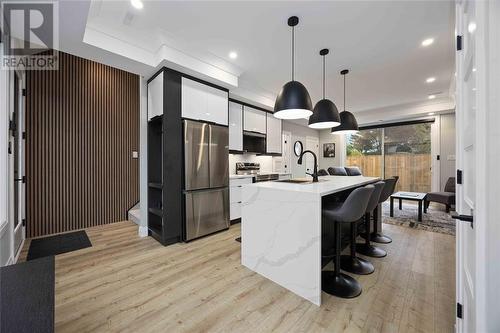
(376, 236)
(350, 211)
(366, 248)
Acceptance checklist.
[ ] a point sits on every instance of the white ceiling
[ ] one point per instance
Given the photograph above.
(378, 41)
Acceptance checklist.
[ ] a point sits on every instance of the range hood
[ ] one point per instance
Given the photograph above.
(254, 142)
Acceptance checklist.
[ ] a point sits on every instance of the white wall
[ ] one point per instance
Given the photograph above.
(299, 133)
(447, 148)
(325, 136)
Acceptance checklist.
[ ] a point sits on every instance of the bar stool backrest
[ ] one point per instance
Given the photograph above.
(337, 171)
(390, 185)
(322, 172)
(373, 202)
(354, 206)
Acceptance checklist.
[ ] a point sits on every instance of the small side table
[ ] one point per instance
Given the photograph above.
(411, 196)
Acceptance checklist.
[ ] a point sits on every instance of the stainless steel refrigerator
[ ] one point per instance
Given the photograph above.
(206, 183)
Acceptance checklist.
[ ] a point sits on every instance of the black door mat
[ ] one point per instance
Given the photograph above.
(50, 246)
(27, 296)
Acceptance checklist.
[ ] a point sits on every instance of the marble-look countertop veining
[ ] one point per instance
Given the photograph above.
(281, 231)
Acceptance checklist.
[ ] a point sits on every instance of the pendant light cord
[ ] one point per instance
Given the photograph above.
(344, 92)
(324, 69)
(293, 53)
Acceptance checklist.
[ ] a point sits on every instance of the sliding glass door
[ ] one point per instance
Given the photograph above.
(407, 154)
(396, 150)
(365, 150)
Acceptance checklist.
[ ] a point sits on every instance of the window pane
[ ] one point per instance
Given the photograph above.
(364, 150)
(408, 155)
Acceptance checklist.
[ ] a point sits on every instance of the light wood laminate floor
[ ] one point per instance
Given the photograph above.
(129, 284)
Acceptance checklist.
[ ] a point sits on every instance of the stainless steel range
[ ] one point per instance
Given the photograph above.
(248, 168)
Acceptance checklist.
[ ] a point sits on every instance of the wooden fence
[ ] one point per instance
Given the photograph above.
(414, 170)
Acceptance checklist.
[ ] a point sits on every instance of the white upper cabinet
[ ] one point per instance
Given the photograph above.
(254, 120)
(273, 141)
(203, 102)
(155, 97)
(235, 126)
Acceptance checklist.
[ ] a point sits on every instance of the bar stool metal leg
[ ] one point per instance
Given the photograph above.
(352, 263)
(337, 283)
(377, 236)
(367, 249)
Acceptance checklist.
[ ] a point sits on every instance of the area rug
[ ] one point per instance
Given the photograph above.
(27, 296)
(436, 219)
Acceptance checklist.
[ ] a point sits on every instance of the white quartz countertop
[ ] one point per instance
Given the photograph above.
(325, 186)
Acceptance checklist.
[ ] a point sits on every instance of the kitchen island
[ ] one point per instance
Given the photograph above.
(281, 230)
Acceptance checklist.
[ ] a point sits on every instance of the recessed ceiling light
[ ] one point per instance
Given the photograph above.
(474, 89)
(474, 69)
(427, 42)
(432, 96)
(471, 27)
(431, 113)
(137, 4)
(233, 55)
(430, 79)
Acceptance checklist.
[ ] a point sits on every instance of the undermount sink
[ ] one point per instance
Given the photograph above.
(297, 181)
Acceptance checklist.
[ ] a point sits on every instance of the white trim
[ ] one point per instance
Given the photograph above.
(19, 251)
(435, 151)
(143, 154)
(143, 231)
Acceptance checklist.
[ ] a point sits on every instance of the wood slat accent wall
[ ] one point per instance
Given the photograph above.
(82, 124)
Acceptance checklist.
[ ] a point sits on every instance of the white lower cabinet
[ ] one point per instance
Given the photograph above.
(235, 186)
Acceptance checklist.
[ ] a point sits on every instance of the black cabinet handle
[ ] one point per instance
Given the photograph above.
(239, 202)
(240, 185)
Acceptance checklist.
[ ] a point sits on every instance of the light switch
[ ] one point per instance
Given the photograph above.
(135, 154)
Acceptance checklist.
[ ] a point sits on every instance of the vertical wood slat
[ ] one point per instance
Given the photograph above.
(82, 124)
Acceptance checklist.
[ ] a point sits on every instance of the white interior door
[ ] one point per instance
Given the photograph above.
(312, 144)
(466, 108)
(17, 147)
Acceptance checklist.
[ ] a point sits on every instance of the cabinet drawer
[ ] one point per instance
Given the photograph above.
(235, 194)
(234, 211)
(283, 177)
(240, 181)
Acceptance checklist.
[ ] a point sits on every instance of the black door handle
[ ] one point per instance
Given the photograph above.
(465, 218)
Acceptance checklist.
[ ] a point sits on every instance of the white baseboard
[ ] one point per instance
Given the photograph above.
(143, 231)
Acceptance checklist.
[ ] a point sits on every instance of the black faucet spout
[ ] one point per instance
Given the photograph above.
(315, 171)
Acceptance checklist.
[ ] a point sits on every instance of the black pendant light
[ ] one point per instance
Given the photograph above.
(325, 113)
(348, 123)
(293, 101)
